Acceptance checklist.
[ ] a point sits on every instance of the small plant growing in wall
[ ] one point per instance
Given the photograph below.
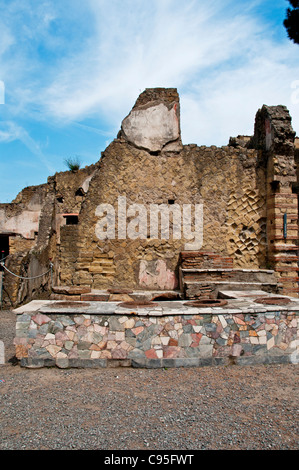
(73, 164)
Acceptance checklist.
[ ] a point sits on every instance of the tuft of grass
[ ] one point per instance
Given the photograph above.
(73, 164)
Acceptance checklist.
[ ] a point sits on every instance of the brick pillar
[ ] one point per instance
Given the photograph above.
(282, 211)
(274, 137)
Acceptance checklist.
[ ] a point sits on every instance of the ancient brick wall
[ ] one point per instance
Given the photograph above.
(242, 191)
(32, 225)
(275, 138)
(197, 175)
(151, 166)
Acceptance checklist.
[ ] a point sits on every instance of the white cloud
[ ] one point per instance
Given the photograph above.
(225, 105)
(7, 38)
(162, 45)
(11, 132)
(222, 59)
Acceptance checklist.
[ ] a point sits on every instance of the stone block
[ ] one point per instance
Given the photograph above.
(168, 363)
(120, 298)
(84, 354)
(139, 362)
(153, 127)
(2, 353)
(185, 340)
(62, 362)
(205, 362)
(33, 363)
(71, 290)
(95, 297)
(153, 363)
(250, 360)
(83, 345)
(96, 363)
(186, 362)
(115, 325)
(119, 363)
(65, 297)
(204, 350)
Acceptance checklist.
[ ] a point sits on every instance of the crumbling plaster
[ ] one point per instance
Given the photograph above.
(147, 164)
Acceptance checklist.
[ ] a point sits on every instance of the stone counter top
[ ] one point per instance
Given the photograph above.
(237, 303)
(168, 334)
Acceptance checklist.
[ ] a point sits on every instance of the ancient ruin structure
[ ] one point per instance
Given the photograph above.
(247, 192)
(157, 220)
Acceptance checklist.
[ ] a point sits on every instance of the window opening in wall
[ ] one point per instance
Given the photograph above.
(295, 188)
(274, 186)
(71, 219)
(80, 192)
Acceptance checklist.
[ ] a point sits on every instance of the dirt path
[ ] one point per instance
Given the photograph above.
(250, 407)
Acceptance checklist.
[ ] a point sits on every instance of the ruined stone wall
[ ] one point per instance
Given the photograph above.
(70, 188)
(32, 223)
(275, 138)
(229, 182)
(242, 191)
(19, 222)
(21, 217)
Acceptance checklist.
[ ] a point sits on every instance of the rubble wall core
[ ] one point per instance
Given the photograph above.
(247, 192)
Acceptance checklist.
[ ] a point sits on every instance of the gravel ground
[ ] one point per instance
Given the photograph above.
(212, 408)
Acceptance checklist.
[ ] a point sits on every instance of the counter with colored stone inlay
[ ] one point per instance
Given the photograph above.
(168, 334)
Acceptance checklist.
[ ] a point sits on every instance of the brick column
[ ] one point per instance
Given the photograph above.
(282, 211)
(274, 137)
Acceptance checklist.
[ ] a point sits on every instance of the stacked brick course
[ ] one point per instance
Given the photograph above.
(205, 259)
(274, 134)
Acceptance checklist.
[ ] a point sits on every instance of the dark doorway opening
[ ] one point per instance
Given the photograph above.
(4, 247)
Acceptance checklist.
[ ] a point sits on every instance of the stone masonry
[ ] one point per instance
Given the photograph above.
(247, 191)
(171, 334)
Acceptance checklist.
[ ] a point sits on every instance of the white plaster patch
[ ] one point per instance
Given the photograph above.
(156, 275)
(153, 127)
(24, 224)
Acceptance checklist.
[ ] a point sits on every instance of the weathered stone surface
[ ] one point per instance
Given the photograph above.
(62, 362)
(245, 189)
(152, 128)
(95, 297)
(147, 341)
(53, 349)
(71, 290)
(66, 297)
(21, 351)
(115, 325)
(40, 319)
(120, 298)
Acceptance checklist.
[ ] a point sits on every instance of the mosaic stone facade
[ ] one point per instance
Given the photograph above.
(156, 339)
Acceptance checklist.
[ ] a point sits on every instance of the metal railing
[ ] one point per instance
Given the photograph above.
(2, 264)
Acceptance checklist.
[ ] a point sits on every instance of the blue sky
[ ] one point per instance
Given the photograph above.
(72, 71)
